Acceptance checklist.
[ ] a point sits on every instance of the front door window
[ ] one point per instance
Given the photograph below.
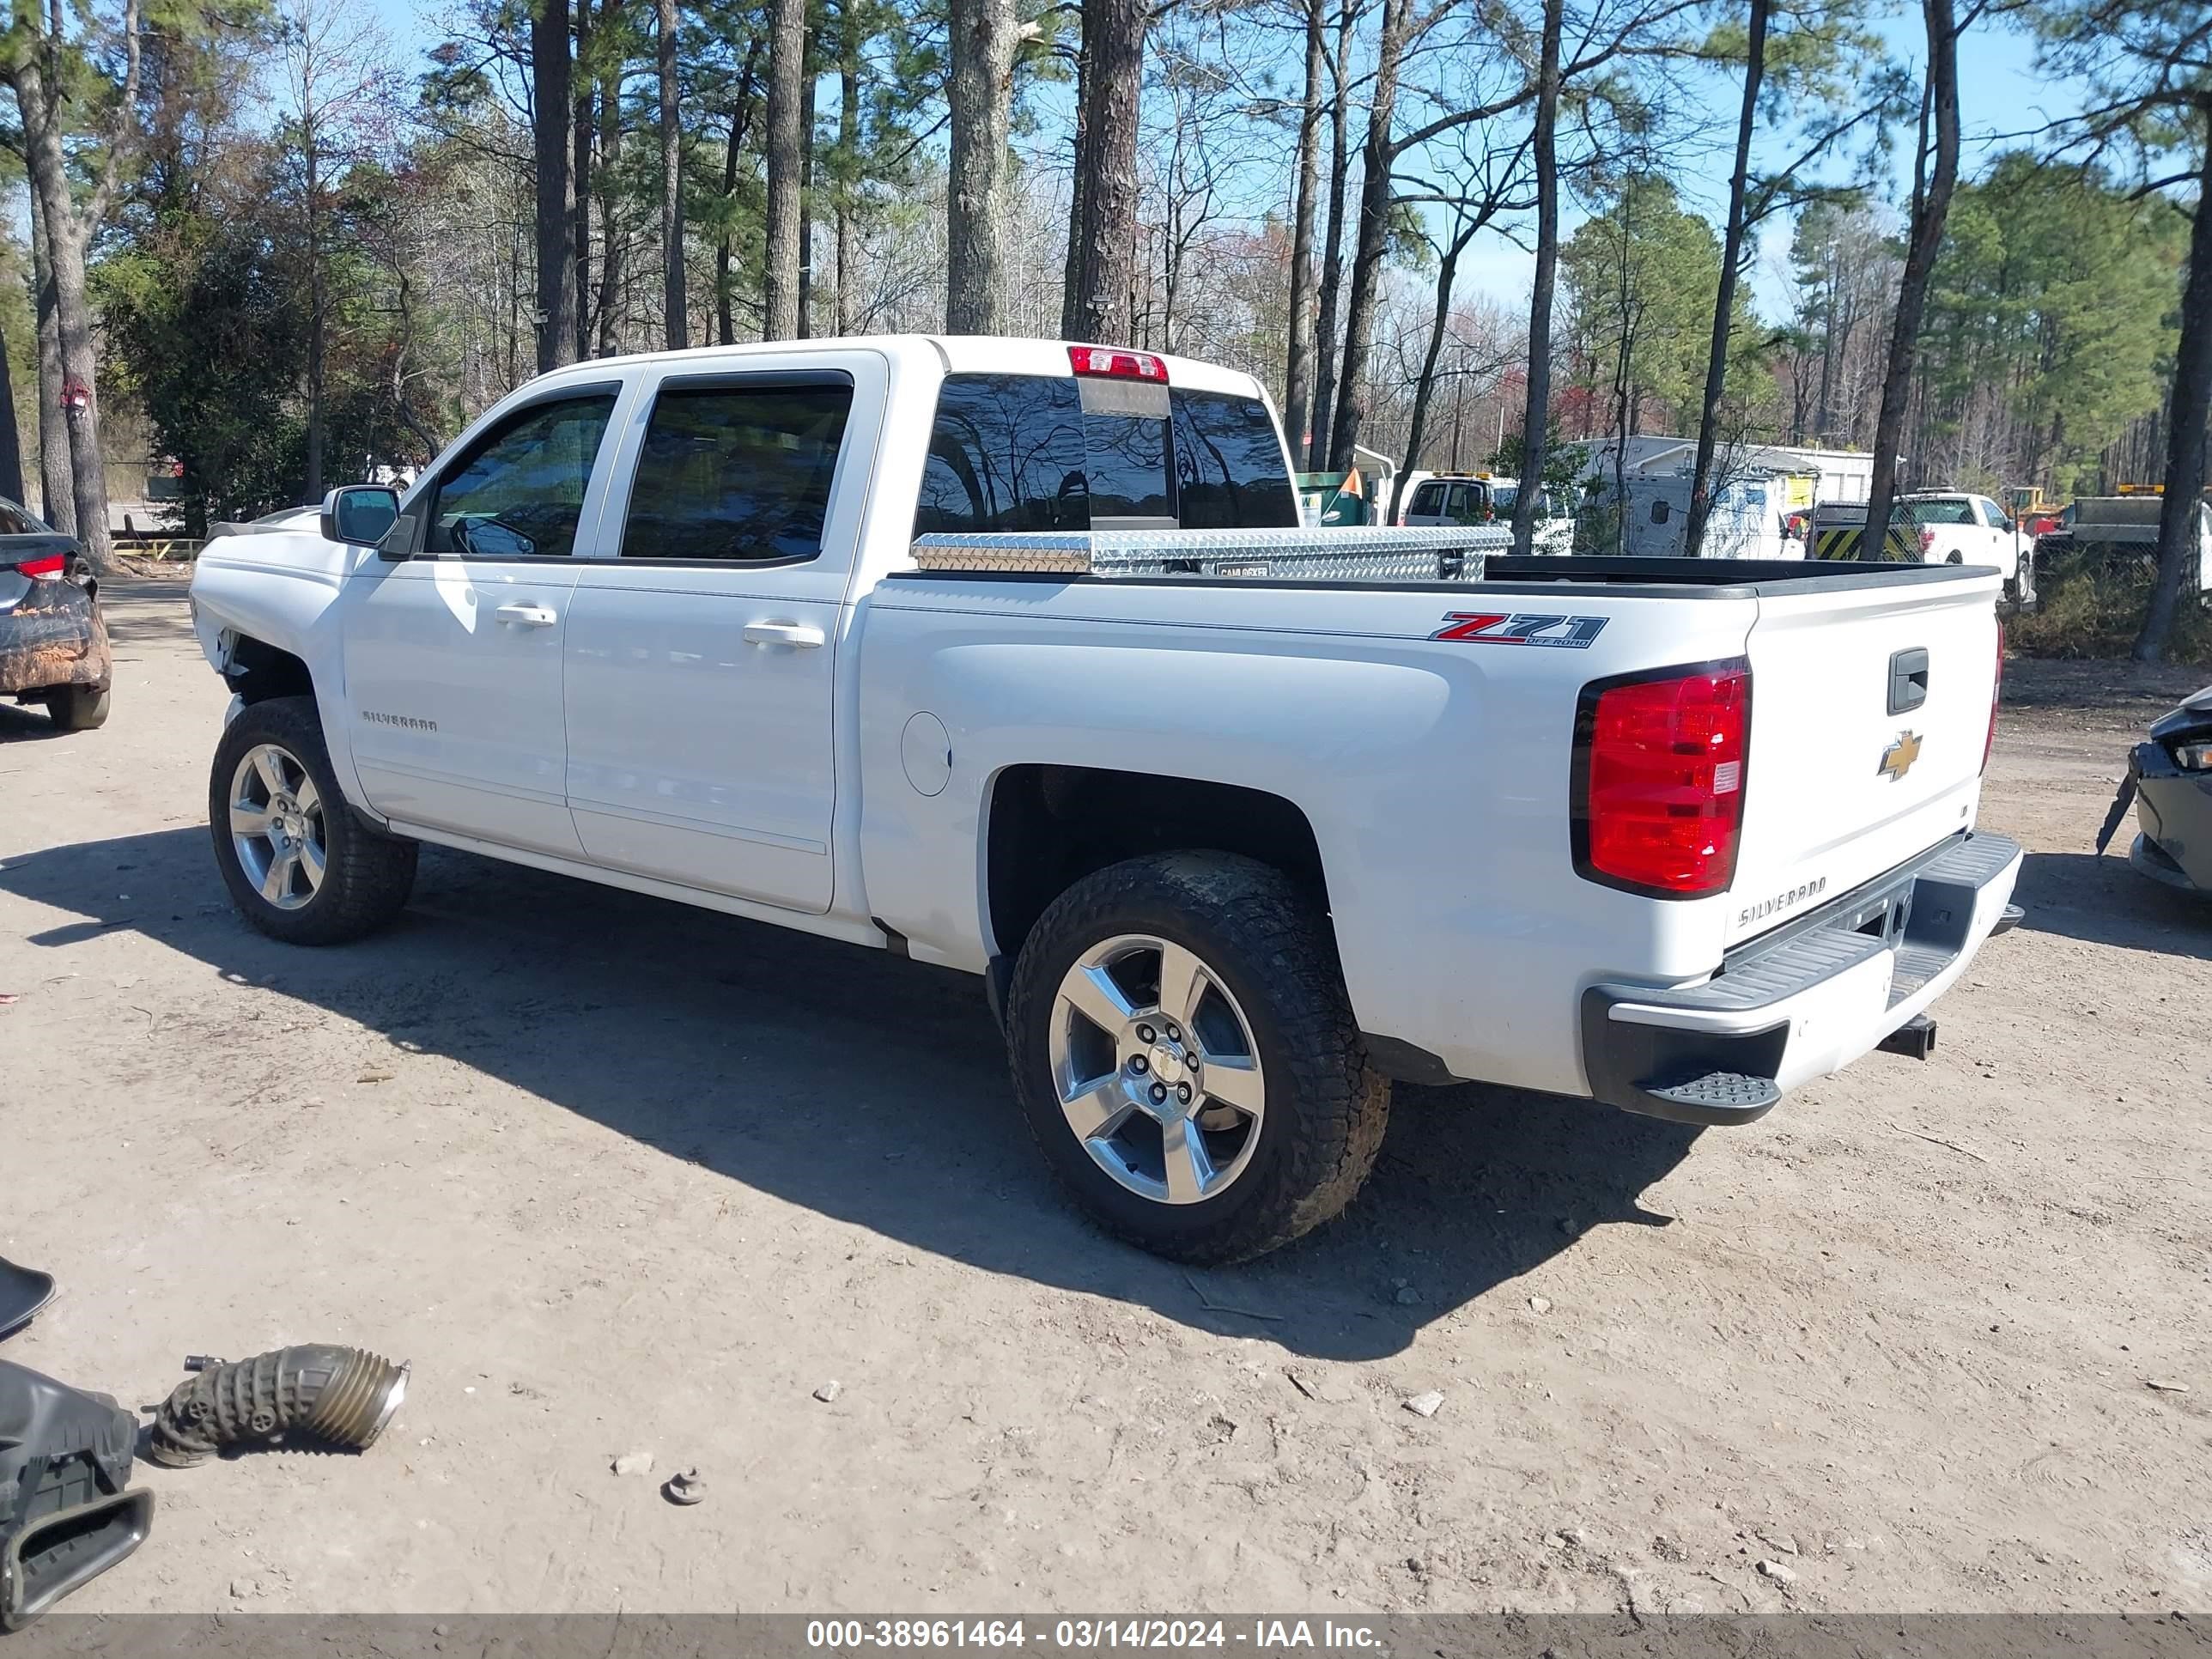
(519, 492)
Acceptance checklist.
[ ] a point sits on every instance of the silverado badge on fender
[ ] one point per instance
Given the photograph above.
(1896, 759)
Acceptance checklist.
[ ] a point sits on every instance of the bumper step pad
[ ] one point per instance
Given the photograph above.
(1721, 1093)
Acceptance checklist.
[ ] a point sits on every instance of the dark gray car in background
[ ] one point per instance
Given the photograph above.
(2170, 782)
(53, 642)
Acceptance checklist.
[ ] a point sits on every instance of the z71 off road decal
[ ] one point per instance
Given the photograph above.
(1494, 628)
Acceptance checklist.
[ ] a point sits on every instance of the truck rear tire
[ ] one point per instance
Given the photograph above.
(1187, 1058)
(301, 867)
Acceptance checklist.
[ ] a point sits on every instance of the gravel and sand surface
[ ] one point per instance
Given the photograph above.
(625, 1180)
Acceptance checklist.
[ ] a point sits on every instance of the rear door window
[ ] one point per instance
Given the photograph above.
(739, 470)
(1229, 471)
(1429, 500)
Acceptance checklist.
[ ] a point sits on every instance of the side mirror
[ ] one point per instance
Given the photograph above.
(359, 514)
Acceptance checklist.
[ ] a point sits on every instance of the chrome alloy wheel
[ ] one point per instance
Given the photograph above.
(276, 826)
(1157, 1069)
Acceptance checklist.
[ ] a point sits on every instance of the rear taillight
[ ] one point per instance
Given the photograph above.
(1108, 364)
(51, 568)
(1926, 542)
(1996, 687)
(1657, 803)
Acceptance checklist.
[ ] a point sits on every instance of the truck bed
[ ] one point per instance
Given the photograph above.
(1392, 559)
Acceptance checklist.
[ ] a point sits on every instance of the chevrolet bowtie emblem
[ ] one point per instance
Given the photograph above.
(1896, 759)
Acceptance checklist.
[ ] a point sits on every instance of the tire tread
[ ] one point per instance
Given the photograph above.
(1337, 1107)
(368, 876)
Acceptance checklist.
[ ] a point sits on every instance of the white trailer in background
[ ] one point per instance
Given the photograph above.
(1834, 475)
(1750, 518)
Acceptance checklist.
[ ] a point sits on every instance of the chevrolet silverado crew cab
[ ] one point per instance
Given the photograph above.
(1011, 657)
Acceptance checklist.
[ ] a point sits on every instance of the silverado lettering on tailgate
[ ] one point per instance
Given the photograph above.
(1781, 902)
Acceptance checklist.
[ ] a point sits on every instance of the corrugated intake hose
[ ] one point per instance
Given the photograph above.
(344, 1396)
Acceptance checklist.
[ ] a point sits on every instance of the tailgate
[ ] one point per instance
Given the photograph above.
(1869, 715)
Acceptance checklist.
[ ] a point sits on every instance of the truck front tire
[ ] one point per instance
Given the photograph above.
(1187, 1058)
(301, 867)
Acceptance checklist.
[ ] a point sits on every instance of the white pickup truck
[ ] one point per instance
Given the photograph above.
(1009, 656)
(1937, 526)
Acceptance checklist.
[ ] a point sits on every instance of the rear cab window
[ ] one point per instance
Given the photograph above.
(1128, 455)
(1013, 453)
(1937, 509)
(1230, 471)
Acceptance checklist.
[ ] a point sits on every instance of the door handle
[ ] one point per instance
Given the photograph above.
(526, 616)
(781, 633)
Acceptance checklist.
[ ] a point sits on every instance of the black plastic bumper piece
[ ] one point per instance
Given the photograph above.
(23, 1292)
(54, 636)
(64, 1516)
(1681, 1075)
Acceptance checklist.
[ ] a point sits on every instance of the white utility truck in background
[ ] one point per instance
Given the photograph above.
(1434, 500)
(1938, 527)
(1009, 656)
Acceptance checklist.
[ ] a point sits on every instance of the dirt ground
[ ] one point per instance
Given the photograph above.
(622, 1177)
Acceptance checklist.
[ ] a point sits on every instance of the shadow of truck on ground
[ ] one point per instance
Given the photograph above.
(2105, 901)
(869, 1088)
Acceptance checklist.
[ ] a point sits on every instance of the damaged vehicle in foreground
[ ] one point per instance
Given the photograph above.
(2169, 783)
(53, 641)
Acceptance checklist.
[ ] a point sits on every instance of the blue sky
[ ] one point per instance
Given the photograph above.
(2001, 98)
